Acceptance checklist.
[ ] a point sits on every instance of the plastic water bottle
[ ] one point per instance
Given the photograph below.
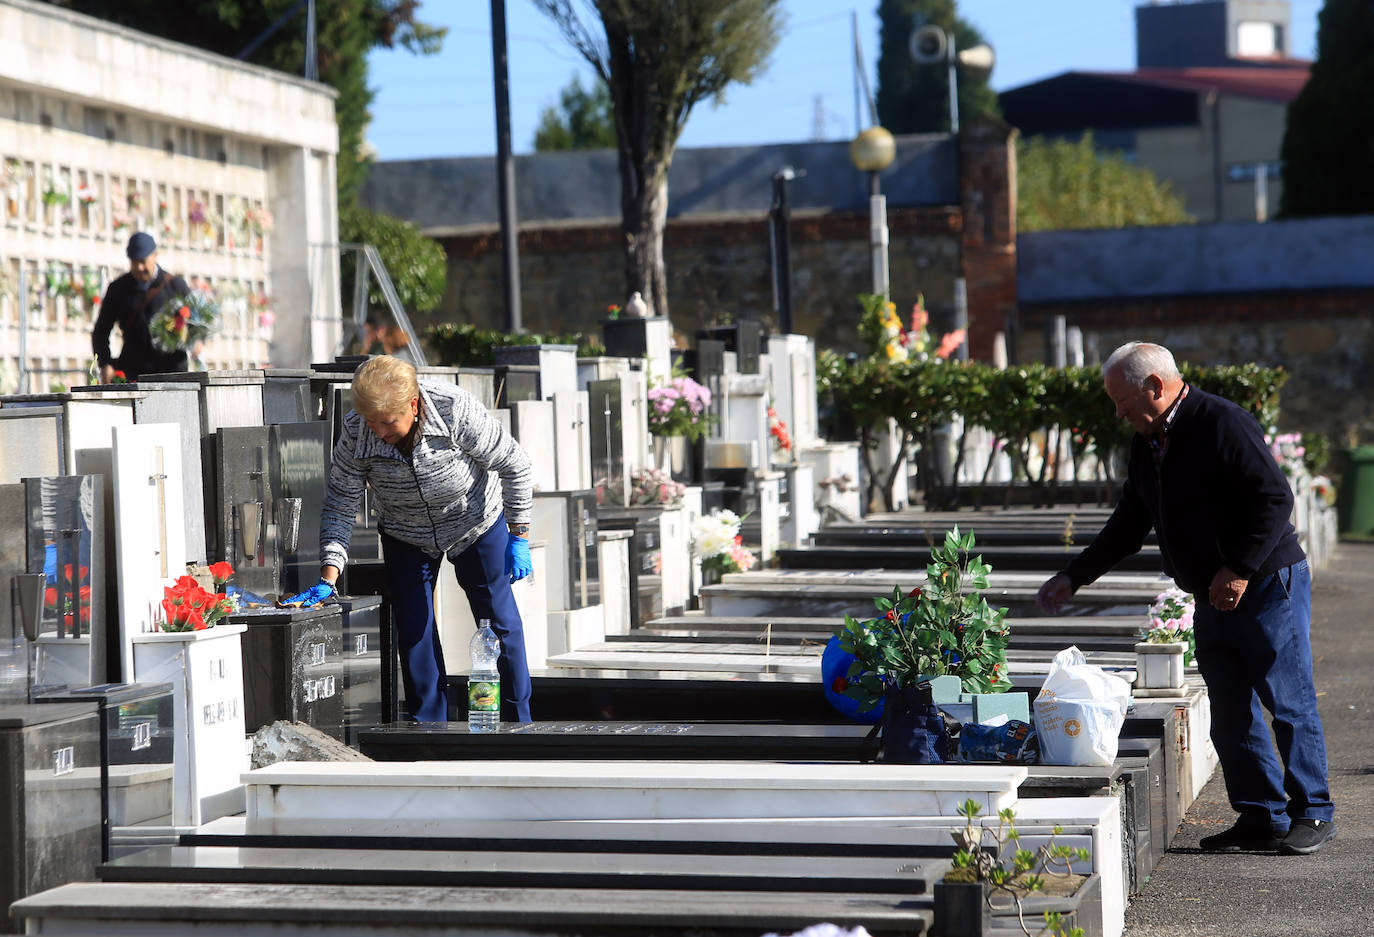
(484, 682)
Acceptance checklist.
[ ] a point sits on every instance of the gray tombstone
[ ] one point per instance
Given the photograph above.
(557, 365)
(14, 562)
(65, 519)
(610, 469)
(299, 474)
(30, 442)
(286, 396)
(481, 383)
(245, 508)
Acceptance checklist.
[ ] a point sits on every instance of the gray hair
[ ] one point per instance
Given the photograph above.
(1136, 361)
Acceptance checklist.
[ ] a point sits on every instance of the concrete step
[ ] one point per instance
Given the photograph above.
(98, 909)
(1047, 534)
(590, 868)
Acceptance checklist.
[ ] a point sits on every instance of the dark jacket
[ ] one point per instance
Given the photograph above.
(1217, 499)
(132, 309)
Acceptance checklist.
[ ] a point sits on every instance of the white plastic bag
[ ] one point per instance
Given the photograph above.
(1079, 712)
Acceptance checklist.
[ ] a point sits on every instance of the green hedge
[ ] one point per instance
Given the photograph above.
(1017, 404)
(467, 346)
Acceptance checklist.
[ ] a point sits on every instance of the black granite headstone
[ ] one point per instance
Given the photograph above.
(246, 509)
(606, 413)
(293, 667)
(299, 473)
(515, 382)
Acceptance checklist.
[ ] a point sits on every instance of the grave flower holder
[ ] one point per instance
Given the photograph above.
(1160, 666)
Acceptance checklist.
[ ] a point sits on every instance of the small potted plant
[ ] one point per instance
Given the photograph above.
(978, 875)
(943, 627)
(1166, 644)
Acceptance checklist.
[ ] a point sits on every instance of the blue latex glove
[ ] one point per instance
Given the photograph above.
(518, 563)
(310, 597)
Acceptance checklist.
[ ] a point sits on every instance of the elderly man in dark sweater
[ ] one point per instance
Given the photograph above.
(131, 301)
(1201, 475)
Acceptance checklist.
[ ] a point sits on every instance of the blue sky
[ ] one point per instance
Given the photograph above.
(443, 105)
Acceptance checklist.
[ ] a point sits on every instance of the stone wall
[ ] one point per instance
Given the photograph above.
(717, 271)
(1323, 338)
(718, 262)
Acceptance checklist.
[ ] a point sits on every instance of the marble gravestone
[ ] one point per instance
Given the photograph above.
(246, 509)
(49, 807)
(14, 642)
(65, 520)
(793, 360)
(609, 411)
(30, 443)
(532, 425)
(299, 463)
(572, 440)
(149, 536)
(557, 365)
(180, 404)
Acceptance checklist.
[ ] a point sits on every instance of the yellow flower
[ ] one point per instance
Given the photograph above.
(895, 351)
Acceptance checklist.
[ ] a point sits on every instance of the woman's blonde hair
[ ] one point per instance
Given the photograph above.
(384, 386)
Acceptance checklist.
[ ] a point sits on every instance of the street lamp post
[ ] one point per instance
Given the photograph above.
(872, 151)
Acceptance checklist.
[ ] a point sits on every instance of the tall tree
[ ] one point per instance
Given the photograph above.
(659, 58)
(914, 98)
(346, 31)
(1328, 147)
(583, 120)
(1062, 185)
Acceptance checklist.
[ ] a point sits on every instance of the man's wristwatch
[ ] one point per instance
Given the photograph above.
(518, 530)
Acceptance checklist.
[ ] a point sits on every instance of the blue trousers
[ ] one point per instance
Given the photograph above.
(1259, 655)
(481, 570)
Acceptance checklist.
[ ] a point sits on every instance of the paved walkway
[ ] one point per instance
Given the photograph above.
(1331, 893)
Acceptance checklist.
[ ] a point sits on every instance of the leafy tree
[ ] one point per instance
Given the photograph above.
(346, 31)
(914, 98)
(659, 59)
(1062, 185)
(582, 120)
(416, 263)
(1329, 142)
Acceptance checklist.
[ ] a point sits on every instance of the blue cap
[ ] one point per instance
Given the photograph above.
(140, 246)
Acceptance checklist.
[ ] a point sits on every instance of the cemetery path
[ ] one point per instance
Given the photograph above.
(1255, 895)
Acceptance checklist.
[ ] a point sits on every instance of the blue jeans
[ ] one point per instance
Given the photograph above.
(481, 571)
(1259, 654)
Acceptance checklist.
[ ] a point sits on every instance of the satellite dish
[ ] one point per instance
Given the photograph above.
(928, 45)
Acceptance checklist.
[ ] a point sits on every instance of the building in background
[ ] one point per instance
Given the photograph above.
(1204, 110)
(105, 131)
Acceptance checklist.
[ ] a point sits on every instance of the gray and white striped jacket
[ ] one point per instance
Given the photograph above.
(464, 468)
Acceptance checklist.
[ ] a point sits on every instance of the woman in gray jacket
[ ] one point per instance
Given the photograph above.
(448, 481)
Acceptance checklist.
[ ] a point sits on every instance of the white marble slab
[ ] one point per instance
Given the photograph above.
(150, 537)
(532, 423)
(205, 669)
(612, 658)
(1146, 584)
(430, 798)
(570, 629)
(572, 440)
(613, 573)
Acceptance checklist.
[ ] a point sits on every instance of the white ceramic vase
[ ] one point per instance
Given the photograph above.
(1160, 666)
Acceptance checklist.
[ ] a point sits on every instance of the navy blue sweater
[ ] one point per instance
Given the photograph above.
(1217, 499)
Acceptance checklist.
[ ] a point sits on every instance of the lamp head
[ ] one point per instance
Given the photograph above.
(873, 150)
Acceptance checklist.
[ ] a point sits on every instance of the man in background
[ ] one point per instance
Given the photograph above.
(132, 301)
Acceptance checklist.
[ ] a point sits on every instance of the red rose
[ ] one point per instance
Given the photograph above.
(838, 684)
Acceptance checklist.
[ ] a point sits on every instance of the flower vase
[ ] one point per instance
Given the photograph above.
(913, 732)
(1160, 666)
(961, 909)
(662, 456)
